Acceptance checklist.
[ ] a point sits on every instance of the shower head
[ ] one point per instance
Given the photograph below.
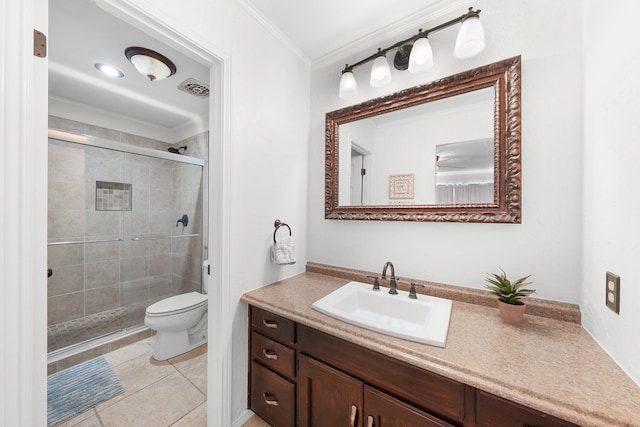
(177, 150)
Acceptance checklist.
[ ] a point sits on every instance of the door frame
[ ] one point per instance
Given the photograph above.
(23, 211)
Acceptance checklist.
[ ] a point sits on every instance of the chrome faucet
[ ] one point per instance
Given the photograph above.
(392, 281)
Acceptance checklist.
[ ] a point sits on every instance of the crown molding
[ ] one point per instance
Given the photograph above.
(274, 31)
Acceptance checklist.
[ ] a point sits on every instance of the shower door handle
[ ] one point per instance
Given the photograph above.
(49, 272)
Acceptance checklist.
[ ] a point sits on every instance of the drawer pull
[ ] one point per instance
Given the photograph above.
(270, 399)
(369, 421)
(354, 414)
(270, 354)
(272, 324)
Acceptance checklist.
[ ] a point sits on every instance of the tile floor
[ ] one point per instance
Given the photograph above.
(157, 394)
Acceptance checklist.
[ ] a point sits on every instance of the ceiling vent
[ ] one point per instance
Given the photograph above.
(194, 87)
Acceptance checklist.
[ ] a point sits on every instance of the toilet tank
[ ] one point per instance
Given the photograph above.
(205, 277)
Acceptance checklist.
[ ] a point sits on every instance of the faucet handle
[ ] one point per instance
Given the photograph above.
(412, 291)
(376, 284)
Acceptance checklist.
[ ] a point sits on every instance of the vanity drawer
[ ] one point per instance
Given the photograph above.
(272, 397)
(273, 355)
(273, 326)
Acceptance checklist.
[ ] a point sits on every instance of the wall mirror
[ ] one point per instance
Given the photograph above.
(448, 150)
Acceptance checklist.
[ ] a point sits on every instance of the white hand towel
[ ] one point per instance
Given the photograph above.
(283, 251)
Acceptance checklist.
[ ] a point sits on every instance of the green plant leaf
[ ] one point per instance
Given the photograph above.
(505, 290)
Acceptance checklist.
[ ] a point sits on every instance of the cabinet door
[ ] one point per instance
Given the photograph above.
(327, 397)
(381, 410)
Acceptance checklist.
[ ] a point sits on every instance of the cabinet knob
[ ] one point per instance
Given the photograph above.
(270, 324)
(270, 399)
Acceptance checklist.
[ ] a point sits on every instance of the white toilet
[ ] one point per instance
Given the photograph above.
(180, 321)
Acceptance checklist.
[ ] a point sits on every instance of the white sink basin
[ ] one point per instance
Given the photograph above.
(424, 320)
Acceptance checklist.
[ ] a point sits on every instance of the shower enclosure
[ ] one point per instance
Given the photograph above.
(125, 229)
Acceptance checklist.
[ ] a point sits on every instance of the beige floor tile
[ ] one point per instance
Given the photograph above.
(256, 421)
(129, 352)
(195, 418)
(85, 419)
(193, 365)
(136, 374)
(160, 404)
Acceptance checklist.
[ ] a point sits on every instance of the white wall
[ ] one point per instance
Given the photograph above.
(548, 35)
(611, 177)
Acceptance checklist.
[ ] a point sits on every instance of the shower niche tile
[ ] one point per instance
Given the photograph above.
(113, 196)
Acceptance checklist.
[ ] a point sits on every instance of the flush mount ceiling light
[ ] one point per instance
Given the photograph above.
(149, 63)
(109, 70)
(415, 53)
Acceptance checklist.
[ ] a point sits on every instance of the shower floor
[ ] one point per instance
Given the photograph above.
(75, 331)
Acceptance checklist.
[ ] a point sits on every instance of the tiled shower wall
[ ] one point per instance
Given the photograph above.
(92, 278)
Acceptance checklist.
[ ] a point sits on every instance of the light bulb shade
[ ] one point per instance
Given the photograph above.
(380, 72)
(348, 85)
(470, 39)
(150, 63)
(421, 58)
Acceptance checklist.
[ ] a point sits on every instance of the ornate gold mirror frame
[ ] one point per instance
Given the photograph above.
(504, 77)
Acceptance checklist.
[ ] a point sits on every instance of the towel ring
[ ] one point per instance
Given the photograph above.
(277, 224)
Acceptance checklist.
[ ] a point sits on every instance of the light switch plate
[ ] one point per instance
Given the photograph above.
(613, 292)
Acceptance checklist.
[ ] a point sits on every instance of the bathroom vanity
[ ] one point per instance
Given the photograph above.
(335, 382)
(308, 369)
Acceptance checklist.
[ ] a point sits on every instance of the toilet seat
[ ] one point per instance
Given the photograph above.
(177, 304)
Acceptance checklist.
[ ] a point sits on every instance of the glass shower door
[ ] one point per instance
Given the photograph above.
(115, 245)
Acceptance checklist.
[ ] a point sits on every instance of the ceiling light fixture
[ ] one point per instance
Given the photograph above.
(109, 70)
(149, 63)
(415, 53)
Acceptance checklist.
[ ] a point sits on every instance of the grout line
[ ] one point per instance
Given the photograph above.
(189, 380)
(98, 416)
(185, 415)
(137, 391)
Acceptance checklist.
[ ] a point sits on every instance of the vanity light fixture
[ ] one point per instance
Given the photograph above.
(150, 63)
(417, 53)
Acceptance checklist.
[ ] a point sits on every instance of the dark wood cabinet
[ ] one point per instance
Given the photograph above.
(272, 370)
(302, 377)
(272, 397)
(381, 410)
(494, 411)
(327, 397)
(425, 390)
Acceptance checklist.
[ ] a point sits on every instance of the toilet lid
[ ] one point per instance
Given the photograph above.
(176, 304)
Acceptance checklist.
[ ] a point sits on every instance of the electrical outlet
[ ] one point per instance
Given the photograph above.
(613, 292)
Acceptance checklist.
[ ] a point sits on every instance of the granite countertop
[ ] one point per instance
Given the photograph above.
(549, 365)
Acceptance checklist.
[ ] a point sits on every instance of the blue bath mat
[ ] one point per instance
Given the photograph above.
(74, 390)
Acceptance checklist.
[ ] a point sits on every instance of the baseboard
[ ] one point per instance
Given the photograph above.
(243, 418)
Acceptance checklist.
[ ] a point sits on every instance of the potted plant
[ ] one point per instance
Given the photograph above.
(509, 295)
